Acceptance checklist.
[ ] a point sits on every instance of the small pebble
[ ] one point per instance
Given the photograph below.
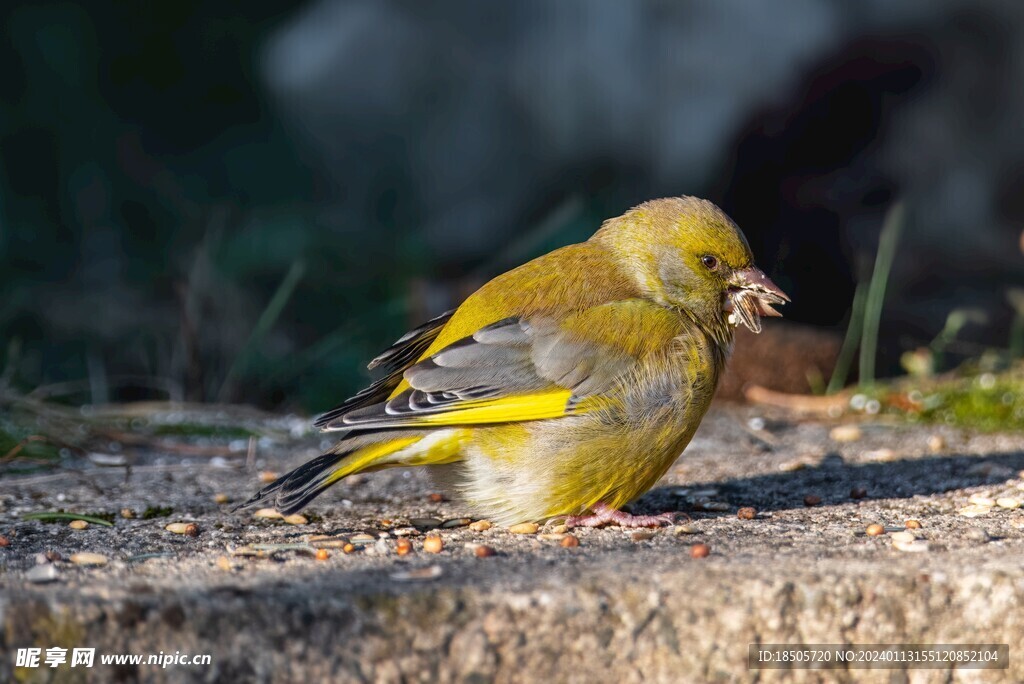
(858, 493)
(524, 528)
(78, 525)
(974, 511)
(435, 497)
(403, 546)
(913, 524)
(700, 551)
(224, 563)
(680, 530)
(845, 433)
(792, 466)
(4, 541)
(86, 558)
(812, 500)
(221, 498)
(642, 535)
(570, 541)
(1008, 502)
(42, 574)
(425, 523)
(484, 551)
(982, 500)
(268, 476)
(746, 513)
(480, 525)
(936, 444)
(874, 530)
(406, 532)
(433, 544)
(268, 513)
(322, 554)
(902, 537)
(455, 522)
(976, 534)
(296, 519)
(127, 513)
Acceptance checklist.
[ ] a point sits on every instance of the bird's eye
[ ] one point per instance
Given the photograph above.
(710, 262)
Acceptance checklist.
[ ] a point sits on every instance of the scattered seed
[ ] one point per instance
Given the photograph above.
(936, 444)
(406, 532)
(974, 511)
(1008, 502)
(812, 500)
(296, 519)
(858, 493)
(700, 551)
(4, 541)
(642, 535)
(221, 498)
(425, 523)
(455, 522)
(570, 541)
(879, 456)
(845, 433)
(792, 466)
(680, 530)
(484, 551)
(435, 497)
(127, 513)
(86, 558)
(551, 536)
(268, 513)
(78, 525)
(903, 537)
(524, 528)
(913, 524)
(224, 563)
(559, 529)
(179, 528)
(432, 544)
(418, 575)
(362, 538)
(480, 525)
(348, 548)
(746, 513)
(268, 476)
(874, 530)
(982, 500)
(403, 546)
(322, 554)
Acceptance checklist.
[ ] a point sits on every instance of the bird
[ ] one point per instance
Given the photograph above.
(565, 387)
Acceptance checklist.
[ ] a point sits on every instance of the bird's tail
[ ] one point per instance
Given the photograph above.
(292, 491)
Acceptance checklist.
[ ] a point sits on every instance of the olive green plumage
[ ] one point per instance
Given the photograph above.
(570, 382)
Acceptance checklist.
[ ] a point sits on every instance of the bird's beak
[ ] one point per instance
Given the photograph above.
(751, 295)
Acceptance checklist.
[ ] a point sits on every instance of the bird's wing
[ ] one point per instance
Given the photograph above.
(395, 359)
(522, 368)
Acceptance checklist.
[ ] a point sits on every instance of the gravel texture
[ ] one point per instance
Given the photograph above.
(621, 606)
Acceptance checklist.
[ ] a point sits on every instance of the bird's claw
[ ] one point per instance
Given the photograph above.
(603, 515)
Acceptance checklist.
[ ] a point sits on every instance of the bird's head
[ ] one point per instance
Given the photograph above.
(686, 253)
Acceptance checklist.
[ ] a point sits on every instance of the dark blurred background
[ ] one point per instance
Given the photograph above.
(245, 201)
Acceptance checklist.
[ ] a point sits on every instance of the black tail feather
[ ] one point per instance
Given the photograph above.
(292, 491)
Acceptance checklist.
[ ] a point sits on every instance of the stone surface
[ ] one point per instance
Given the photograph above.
(619, 607)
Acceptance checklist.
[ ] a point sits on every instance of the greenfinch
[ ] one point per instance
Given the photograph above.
(565, 387)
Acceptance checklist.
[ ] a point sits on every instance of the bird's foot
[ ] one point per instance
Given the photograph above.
(603, 515)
